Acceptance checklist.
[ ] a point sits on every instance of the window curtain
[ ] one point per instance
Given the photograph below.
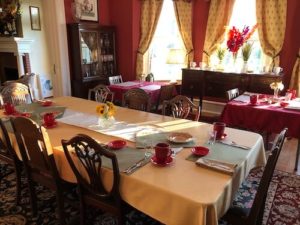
(183, 13)
(150, 12)
(271, 21)
(218, 18)
(295, 80)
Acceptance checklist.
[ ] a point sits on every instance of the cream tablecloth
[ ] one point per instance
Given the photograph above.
(181, 193)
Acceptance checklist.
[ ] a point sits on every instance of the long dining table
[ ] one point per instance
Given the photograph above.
(179, 193)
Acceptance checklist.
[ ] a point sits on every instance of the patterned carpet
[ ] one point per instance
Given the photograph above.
(10, 214)
(282, 207)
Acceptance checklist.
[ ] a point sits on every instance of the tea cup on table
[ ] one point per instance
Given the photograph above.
(219, 128)
(9, 108)
(253, 99)
(49, 119)
(162, 152)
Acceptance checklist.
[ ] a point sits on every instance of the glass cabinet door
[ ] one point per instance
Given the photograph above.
(89, 53)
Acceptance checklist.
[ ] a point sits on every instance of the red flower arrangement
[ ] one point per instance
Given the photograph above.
(237, 38)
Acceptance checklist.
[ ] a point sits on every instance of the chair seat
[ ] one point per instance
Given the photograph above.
(244, 197)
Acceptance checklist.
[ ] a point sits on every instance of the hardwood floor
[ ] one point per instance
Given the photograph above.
(286, 161)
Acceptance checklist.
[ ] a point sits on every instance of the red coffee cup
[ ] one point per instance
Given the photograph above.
(219, 128)
(253, 99)
(9, 108)
(49, 119)
(162, 152)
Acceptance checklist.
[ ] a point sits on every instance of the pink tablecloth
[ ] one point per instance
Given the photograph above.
(263, 117)
(152, 88)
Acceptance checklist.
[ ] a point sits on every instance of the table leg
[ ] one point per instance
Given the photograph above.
(297, 155)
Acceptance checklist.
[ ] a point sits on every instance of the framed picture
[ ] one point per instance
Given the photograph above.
(35, 18)
(87, 9)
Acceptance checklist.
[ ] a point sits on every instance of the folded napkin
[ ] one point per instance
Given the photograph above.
(224, 167)
(242, 98)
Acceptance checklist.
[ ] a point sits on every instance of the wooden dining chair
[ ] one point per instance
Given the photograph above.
(9, 156)
(39, 163)
(232, 93)
(92, 192)
(115, 79)
(181, 107)
(166, 93)
(16, 93)
(137, 98)
(251, 191)
(101, 93)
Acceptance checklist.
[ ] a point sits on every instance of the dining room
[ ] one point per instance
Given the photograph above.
(141, 139)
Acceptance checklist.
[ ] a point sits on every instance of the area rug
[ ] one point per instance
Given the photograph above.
(11, 214)
(282, 206)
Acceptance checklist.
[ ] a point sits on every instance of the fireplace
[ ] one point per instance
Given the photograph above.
(14, 57)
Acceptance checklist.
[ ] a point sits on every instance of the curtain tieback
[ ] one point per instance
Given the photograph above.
(189, 52)
(298, 56)
(206, 53)
(140, 52)
(275, 56)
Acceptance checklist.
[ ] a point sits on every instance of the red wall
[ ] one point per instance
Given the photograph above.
(125, 16)
(200, 16)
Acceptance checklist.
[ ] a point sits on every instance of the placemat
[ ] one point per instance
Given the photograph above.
(37, 110)
(150, 140)
(127, 157)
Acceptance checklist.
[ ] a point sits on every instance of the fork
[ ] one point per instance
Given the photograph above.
(138, 164)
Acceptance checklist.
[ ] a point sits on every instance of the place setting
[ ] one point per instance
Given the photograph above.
(11, 110)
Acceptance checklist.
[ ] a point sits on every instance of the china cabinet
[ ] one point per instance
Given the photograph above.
(212, 85)
(92, 56)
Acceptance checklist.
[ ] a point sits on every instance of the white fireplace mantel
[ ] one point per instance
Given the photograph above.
(18, 46)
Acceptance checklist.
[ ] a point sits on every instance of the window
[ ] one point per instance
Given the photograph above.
(166, 37)
(243, 14)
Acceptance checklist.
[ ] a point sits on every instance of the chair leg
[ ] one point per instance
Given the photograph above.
(60, 206)
(82, 212)
(32, 196)
(19, 184)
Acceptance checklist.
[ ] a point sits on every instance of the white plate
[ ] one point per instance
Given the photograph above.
(179, 137)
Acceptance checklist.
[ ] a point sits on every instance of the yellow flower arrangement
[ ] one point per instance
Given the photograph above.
(277, 86)
(106, 110)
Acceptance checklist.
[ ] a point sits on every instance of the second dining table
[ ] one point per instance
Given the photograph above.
(152, 88)
(264, 116)
(179, 193)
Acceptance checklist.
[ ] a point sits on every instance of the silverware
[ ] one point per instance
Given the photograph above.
(139, 163)
(218, 165)
(234, 144)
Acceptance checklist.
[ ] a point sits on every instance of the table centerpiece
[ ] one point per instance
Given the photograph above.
(106, 112)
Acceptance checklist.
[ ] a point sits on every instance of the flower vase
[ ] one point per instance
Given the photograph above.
(245, 67)
(276, 93)
(234, 66)
(106, 122)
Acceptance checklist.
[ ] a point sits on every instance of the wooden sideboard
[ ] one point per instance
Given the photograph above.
(212, 85)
